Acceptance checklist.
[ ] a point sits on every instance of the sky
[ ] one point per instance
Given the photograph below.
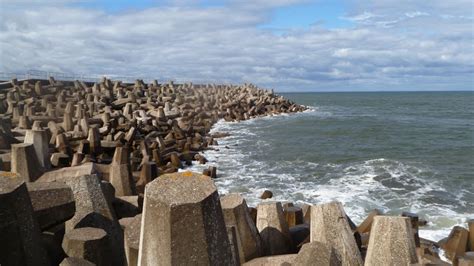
(286, 45)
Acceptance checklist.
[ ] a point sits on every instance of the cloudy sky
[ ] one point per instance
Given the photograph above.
(289, 45)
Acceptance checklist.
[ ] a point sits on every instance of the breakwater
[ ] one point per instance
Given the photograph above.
(88, 151)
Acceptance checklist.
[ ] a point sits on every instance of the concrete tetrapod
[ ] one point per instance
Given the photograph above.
(120, 175)
(329, 225)
(471, 234)
(88, 243)
(39, 139)
(93, 209)
(316, 253)
(24, 162)
(391, 242)
(456, 243)
(276, 260)
(132, 240)
(53, 203)
(273, 228)
(76, 262)
(236, 214)
(182, 222)
(20, 236)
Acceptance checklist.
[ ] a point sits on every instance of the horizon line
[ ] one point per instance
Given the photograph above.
(342, 91)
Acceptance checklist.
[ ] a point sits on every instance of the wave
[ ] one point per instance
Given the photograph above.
(382, 183)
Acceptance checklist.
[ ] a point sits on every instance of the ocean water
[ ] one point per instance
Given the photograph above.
(396, 151)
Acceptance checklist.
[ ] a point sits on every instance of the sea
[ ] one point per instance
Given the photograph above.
(393, 151)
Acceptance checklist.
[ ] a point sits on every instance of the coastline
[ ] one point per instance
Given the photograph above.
(122, 137)
(215, 157)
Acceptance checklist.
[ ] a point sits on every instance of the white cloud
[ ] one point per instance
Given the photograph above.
(416, 14)
(392, 48)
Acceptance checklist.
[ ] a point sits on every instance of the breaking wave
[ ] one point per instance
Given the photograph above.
(363, 185)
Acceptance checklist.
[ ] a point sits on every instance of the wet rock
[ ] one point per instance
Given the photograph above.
(182, 212)
(422, 222)
(211, 171)
(391, 242)
(329, 225)
(218, 135)
(273, 228)
(267, 194)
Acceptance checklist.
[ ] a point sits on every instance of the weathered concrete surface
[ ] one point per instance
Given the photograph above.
(182, 222)
(273, 228)
(306, 208)
(391, 242)
(299, 233)
(132, 240)
(93, 209)
(236, 214)
(293, 215)
(127, 206)
(68, 173)
(148, 172)
(76, 262)
(25, 163)
(456, 243)
(120, 175)
(39, 139)
(234, 245)
(88, 243)
(466, 260)
(366, 225)
(329, 225)
(471, 234)
(52, 239)
(316, 253)
(53, 203)
(277, 260)
(414, 219)
(20, 236)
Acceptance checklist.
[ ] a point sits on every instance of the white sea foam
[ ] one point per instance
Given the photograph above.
(381, 183)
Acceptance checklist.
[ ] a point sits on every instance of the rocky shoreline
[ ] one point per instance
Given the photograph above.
(89, 175)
